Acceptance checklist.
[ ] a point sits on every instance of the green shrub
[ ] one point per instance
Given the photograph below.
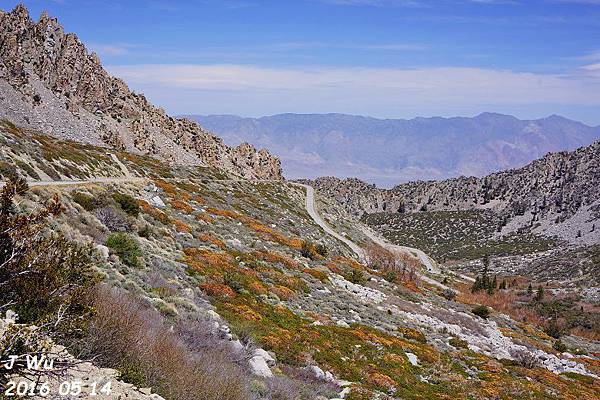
(481, 311)
(127, 204)
(458, 343)
(85, 200)
(42, 273)
(146, 231)
(7, 170)
(321, 249)
(307, 249)
(357, 276)
(126, 247)
(559, 346)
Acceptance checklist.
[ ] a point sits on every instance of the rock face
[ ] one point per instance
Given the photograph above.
(554, 190)
(49, 82)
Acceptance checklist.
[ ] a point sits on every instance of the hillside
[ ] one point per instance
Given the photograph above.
(151, 262)
(556, 195)
(49, 82)
(392, 151)
(202, 266)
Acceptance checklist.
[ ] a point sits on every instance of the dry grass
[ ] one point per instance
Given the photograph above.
(132, 337)
(501, 300)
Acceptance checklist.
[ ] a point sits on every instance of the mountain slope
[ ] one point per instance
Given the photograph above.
(388, 152)
(49, 82)
(556, 195)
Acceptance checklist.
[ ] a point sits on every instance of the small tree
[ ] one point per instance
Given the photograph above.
(539, 295)
(481, 311)
(529, 290)
(42, 274)
(126, 247)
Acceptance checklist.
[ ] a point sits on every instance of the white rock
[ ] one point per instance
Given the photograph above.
(413, 359)
(264, 354)
(343, 324)
(317, 371)
(103, 250)
(259, 367)
(156, 201)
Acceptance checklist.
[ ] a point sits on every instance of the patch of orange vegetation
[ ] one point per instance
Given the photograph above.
(586, 333)
(245, 312)
(217, 290)
(166, 187)
(322, 276)
(283, 292)
(182, 206)
(222, 261)
(223, 213)
(205, 237)
(503, 301)
(381, 380)
(275, 258)
(182, 227)
(204, 217)
(154, 212)
(411, 285)
(257, 288)
(199, 199)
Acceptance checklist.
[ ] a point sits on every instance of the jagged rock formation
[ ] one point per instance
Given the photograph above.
(555, 190)
(49, 82)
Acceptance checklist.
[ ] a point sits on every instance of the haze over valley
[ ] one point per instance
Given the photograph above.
(392, 151)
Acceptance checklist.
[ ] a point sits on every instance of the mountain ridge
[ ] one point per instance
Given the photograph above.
(547, 195)
(51, 83)
(392, 151)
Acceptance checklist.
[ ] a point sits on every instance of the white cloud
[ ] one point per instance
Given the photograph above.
(379, 92)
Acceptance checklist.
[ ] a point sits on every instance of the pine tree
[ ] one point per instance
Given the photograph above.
(529, 290)
(539, 296)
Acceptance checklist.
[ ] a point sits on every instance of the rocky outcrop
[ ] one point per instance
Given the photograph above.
(49, 82)
(549, 191)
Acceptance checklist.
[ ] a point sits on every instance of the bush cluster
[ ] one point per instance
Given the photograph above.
(126, 247)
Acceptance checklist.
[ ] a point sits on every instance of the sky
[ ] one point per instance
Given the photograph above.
(381, 58)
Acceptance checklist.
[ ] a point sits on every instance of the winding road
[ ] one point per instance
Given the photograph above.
(310, 209)
(424, 258)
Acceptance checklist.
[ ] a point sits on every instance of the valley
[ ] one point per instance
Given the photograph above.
(139, 249)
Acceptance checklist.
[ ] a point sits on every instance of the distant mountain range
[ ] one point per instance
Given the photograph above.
(391, 151)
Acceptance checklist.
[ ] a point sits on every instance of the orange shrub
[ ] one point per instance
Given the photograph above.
(381, 380)
(166, 187)
(182, 206)
(205, 218)
(503, 301)
(322, 276)
(154, 212)
(275, 258)
(199, 199)
(216, 260)
(182, 227)
(282, 292)
(217, 290)
(205, 237)
(223, 213)
(257, 288)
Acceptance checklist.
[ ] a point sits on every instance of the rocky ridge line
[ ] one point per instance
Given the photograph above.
(49, 82)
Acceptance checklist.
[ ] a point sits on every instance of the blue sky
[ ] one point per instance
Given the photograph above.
(384, 58)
